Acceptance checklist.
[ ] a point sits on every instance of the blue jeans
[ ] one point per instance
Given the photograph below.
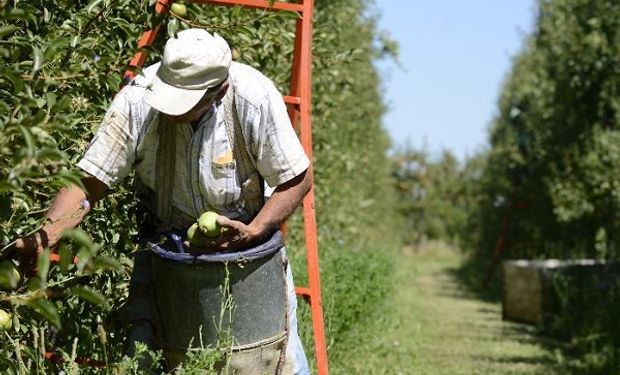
(294, 349)
(141, 309)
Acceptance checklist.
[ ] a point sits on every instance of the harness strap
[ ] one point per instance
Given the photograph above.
(246, 164)
(166, 154)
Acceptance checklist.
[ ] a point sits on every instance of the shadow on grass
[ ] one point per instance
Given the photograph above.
(473, 273)
(567, 358)
(515, 360)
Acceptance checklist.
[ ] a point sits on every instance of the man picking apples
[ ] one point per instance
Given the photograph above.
(202, 134)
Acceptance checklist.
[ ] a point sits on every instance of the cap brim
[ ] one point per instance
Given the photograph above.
(169, 99)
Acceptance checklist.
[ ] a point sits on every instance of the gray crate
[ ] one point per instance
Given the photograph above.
(530, 293)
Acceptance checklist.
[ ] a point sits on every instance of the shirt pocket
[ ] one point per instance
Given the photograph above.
(223, 190)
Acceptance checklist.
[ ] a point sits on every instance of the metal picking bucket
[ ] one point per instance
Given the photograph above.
(190, 300)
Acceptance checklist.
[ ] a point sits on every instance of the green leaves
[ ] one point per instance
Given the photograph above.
(93, 6)
(43, 265)
(546, 150)
(89, 295)
(7, 30)
(86, 249)
(29, 139)
(173, 27)
(47, 310)
(37, 59)
(61, 65)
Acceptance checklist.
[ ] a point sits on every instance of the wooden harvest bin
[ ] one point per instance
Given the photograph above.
(559, 295)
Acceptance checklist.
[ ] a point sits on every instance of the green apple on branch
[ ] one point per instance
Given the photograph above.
(6, 320)
(178, 9)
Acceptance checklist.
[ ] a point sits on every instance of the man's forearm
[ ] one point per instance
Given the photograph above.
(68, 209)
(66, 212)
(281, 204)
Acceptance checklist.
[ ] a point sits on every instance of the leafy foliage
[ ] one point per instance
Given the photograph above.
(553, 164)
(436, 195)
(62, 62)
(554, 142)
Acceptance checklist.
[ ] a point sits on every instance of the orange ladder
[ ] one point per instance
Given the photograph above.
(299, 102)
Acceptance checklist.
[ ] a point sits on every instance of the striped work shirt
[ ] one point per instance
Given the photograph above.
(205, 176)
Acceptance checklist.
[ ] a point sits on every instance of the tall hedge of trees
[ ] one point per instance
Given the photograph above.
(554, 145)
(554, 159)
(436, 194)
(61, 63)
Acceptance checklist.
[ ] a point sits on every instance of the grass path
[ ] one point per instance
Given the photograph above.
(435, 326)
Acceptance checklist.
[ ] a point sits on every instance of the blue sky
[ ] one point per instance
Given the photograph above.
(454, 56)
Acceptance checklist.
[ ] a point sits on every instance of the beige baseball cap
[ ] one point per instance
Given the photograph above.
(193, 62)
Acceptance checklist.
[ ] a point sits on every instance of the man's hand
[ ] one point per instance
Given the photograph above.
(235, 236)
(68, 209)
(27, 249)
(239, 236)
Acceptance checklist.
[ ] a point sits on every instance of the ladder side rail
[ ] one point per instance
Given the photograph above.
(256, 4)
(148, 38)
(295, 89)
(302, 66)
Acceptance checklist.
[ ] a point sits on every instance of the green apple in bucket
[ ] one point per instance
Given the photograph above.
(195, 236)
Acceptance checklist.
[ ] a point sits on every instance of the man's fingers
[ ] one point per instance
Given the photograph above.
(232, 233)
(19, 245)
(225, 222)
(24, 246)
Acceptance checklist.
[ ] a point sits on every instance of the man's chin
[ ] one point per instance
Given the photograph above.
(178, 119)
(192, 116)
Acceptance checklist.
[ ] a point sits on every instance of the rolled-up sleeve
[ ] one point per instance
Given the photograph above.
(111, 153)
(280, 155)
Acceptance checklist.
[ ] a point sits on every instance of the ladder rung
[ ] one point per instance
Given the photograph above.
(295, 100)
(261, 4)
(301, 291)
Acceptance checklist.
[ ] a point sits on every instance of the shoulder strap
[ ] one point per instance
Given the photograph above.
(166, 153)
(246, 164)
(234, 132)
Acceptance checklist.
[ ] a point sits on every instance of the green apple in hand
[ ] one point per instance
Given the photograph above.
(195, 236)
(207, 223)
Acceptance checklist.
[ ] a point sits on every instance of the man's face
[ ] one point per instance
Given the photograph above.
(196, 112)
(200, 108)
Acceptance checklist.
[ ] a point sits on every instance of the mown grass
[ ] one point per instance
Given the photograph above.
(432, 324)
